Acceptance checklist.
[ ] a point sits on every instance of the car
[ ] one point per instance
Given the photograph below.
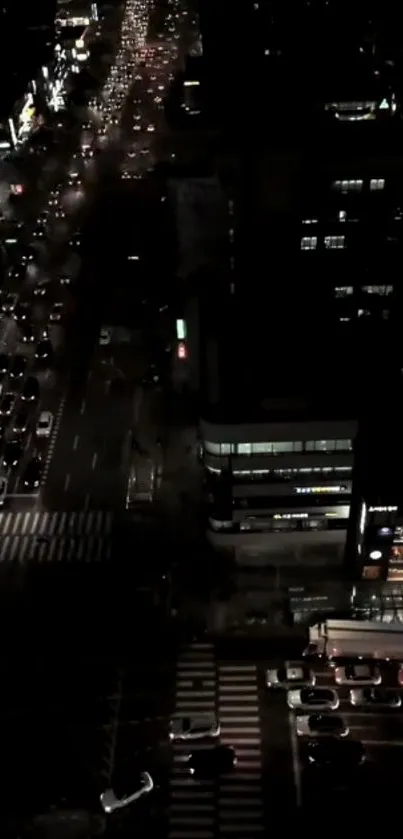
(7, 404)
(42, 287)
(293, 674)
(9, 303)
(12, 454)
(115, 800)
(321, 725)
(39, 232)
(28, 255)
(56, 313)
(219, 760)
(30, 390)
(18, 366)
(27, 331)
(44, 424)
(375, 698)
(16, 273)
(21, 311)
(32, 476)
(3, 489)
(44, 350)
(358, 674)
(20, 422)
(318, 699)
(194, 728)
(331, 753)
(4, 362)
(400, 675)
(105, 336)
(64, 279)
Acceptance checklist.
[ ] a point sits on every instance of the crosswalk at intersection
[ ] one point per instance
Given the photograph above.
(232, 805)
(41, 536)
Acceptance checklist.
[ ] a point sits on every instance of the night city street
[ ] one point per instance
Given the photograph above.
(201, 540)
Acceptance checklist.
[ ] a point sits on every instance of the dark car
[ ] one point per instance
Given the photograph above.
(18, 366)
(17, 273)
(20, 422)
(215, 761)
(39, 231)
(44, 350)
(331, 753)
(28, 255)
(4, 362)
(30, 389)
(42, 288)
(12, 455)
(21, 312)
(32, 475)
(7, 404)
(27, 333)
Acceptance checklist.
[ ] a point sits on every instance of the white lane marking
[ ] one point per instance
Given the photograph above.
(82, 409)
(75, 442)
(94, 460)
(227, 720)
(250, 707)
(228, 731)
(295, 761)
(53, 438)
(238, 668)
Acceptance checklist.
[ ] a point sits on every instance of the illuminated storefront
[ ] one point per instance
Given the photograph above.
(380, 541)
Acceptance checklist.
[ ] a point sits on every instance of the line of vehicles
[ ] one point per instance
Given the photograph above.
(363, 656)
(209, 761)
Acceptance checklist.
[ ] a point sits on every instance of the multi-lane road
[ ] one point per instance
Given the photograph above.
(108, 275)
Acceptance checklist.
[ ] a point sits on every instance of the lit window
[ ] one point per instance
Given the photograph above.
(376, 184)
(381, 290)
(320, 490)
(348, 186)
(343, 290)
(335, 242)
(342, 215)
(309, 243)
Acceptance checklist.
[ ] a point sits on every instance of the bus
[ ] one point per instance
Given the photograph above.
(339, 640)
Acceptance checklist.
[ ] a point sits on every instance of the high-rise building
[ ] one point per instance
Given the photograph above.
(291, 347)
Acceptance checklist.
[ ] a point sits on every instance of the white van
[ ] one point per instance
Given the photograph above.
(45, 424)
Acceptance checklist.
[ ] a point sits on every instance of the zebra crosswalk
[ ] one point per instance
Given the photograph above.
(56, 536)
(233, 805)
(52, 524)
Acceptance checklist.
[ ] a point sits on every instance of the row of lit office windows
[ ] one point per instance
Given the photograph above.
(357, 184)
(279, 447)
(310, 243)
(377, 290)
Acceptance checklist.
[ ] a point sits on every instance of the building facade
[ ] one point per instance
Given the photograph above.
(280, 491)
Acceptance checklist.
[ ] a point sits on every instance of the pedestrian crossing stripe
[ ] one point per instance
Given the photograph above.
(234, 806)
(85, 549)
(43, 523)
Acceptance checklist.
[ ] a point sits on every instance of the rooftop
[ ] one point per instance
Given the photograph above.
(263, 358)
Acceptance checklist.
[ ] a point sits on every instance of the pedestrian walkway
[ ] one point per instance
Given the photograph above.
(192, 813)
(240, 795)
(50, 524)
(56, 537)
(232, 805)
(74, 548)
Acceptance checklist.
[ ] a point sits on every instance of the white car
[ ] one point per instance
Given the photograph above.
(321, 725)
(194, 728)
(110, 801)
(45, 424)
(293, 674)
(313, 699)
(105, 336)
(358, 675)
